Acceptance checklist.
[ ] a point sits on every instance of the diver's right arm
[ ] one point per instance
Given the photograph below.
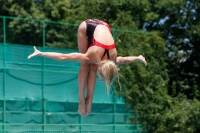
(79, 57)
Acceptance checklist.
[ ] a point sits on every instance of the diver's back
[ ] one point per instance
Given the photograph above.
(103, 35)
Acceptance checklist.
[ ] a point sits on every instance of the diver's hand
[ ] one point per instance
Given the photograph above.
(142, 59)
(35, 53)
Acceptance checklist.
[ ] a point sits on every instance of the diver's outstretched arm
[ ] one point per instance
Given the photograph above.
(130, 59)
(82, 58)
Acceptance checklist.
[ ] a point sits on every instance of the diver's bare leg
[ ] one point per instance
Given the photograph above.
(84, 69)
(82, 81)
(90, 88)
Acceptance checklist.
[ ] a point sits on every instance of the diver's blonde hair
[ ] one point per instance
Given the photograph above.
(109, 71)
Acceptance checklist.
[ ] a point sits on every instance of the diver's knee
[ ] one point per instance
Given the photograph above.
(85, 67)
(93, 67)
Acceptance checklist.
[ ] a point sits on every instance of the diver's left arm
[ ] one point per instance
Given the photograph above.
(130, 59)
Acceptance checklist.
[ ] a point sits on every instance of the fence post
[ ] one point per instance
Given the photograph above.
(43, 76)
(114, 97)
(4, 74)
(80, 123)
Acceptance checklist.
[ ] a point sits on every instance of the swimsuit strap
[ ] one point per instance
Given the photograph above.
(106, 52)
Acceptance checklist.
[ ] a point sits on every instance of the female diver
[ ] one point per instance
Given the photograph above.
(97, 55)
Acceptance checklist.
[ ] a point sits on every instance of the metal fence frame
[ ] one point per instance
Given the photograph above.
(5, 125)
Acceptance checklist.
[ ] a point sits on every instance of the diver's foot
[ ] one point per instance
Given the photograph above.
(88, 107)
(81, 107)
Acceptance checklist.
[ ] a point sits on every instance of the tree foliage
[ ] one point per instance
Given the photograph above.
(165, 94)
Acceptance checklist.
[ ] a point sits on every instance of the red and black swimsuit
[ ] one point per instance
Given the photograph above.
(91, 25)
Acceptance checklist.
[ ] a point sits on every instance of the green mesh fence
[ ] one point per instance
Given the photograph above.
(41, 95)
